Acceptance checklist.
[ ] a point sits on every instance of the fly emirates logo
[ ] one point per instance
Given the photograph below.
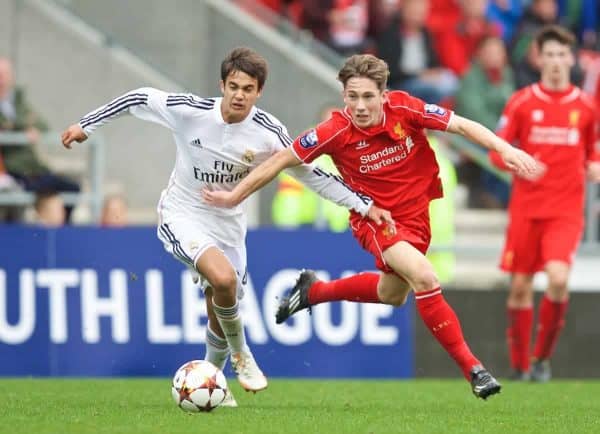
(386, 157)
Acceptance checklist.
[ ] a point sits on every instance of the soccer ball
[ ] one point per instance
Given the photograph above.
(198, 386)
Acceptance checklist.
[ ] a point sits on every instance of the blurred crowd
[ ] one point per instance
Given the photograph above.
(468, 55)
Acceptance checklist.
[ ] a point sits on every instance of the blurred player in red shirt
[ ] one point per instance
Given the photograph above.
(378, 143)
(556, 123)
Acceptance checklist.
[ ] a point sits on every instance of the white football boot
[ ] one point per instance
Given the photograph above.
(229, 400)
(249, 374)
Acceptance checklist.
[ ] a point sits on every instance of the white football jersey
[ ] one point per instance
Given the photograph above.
(215, 154)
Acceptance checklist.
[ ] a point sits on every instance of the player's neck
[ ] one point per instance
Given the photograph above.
(555, 85)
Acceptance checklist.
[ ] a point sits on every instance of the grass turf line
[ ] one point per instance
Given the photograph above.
(299, 406)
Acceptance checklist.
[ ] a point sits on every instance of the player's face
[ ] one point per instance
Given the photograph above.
(556, 60)
(240, 92)
(364, 101)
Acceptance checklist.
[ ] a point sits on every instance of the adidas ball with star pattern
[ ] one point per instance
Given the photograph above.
(198, 386)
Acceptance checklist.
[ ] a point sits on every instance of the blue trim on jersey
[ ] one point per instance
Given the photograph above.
(189, 100)
(263, 121)
(177, 249)
(109, 112)
(363, 197)
(116, 106)
(115, 102)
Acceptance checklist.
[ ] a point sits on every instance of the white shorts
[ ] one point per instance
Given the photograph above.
(186, 241)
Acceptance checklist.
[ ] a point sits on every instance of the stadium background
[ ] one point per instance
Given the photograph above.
(73, 56)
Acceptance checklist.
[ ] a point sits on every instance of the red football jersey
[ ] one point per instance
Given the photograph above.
(560, 130)
(391, 162)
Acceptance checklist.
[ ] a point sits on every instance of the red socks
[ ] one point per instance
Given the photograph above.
(445, 327)
(518, 335)
(359, 288)
(551, 320)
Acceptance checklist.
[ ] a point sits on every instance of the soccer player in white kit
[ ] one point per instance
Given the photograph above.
(219, 140)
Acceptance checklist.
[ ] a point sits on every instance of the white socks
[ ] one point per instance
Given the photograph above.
(217, 350)
(231, 323)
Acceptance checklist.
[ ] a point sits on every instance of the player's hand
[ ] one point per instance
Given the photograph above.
(220, 198)
(593, 171)
(73, 134)
(523, 164)
(382, 217)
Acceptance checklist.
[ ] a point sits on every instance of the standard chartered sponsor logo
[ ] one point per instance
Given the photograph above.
(554, 136)
(385, 157)
(75, 297)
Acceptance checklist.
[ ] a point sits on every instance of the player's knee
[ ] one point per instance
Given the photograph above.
(425, 280)
(558, 281)
(224, 281)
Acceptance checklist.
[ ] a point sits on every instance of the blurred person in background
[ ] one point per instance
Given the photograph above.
(527, 71)
(456, 42)
(539, 14)
(341, 24)
(114, 211)
(441, 215)
(379, 145)
(581, 16)
(295, 206)
(219, 142)
(49, 209)
(22, 162)
(408, 47)
(556, 122)
(482, 95)
(507, 14)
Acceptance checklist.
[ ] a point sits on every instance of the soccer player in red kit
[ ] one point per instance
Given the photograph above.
(556, 123)
(379, 145)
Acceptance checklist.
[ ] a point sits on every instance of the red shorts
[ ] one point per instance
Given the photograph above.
(531, 243)
(377, 239)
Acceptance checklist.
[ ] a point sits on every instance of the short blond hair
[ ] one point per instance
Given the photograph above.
(365, 65)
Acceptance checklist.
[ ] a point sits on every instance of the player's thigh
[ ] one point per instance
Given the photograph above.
(412, 265)
(392, 289)
(560, 239)
(217, 269)
(522, 249)
(188, 242)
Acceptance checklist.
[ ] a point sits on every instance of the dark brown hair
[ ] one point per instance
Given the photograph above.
(554, 33)
(248, 61)
(365, 65)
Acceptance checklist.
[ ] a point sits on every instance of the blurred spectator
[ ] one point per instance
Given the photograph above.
(527, 71)
(507, 14)
(50, 209)
(381, 13)
(341, 24)
(537, 15)
(22, 162)
(457, 42)
(441, 216)
(482, 96)
(441, 13)
(294, 205)
(582, 17)
(114, 212)
(407, 47)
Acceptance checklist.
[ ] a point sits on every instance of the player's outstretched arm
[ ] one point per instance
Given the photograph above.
(515, 159)
(73, 134)
(257, 178)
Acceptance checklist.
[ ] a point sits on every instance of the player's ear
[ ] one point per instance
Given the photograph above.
(384, 95)
(222, 86)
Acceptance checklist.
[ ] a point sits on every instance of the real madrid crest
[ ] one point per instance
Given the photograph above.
(248, 156)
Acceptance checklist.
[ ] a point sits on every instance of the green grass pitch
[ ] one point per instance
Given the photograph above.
(83, 406)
